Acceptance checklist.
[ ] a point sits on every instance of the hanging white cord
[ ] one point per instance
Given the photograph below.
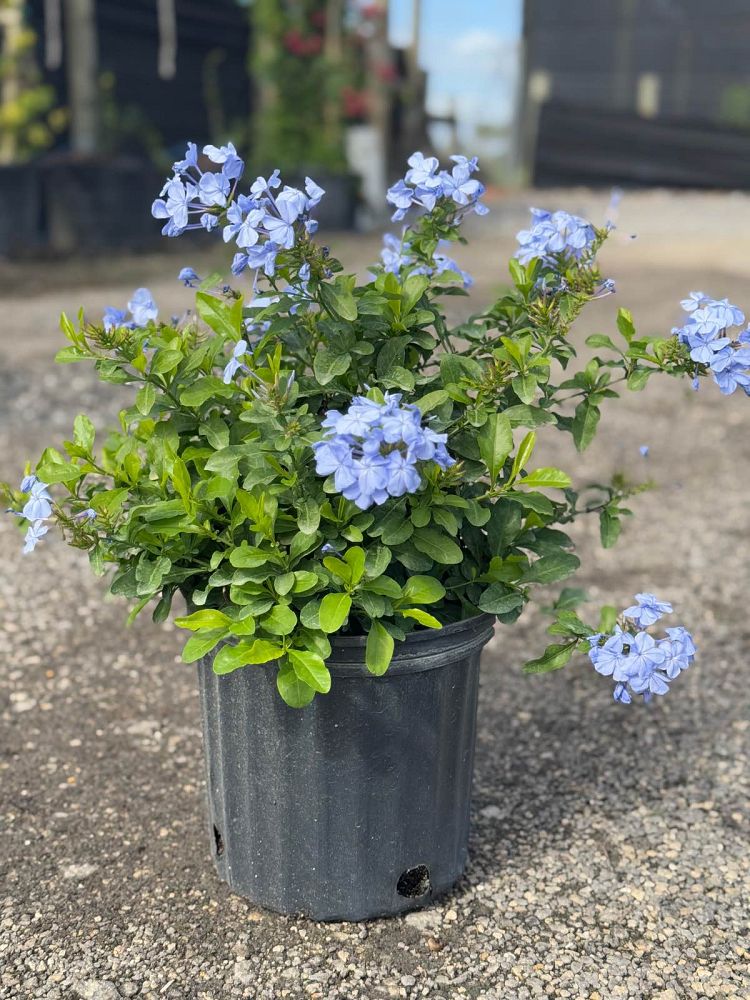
(53, 46)
(167, 39)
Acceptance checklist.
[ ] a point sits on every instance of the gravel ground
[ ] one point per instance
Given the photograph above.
(609, 847)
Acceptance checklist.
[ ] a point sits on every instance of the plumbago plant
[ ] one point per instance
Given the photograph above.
(315, 456)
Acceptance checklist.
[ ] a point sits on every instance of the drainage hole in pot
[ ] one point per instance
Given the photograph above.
(218, 842)
(414, 882)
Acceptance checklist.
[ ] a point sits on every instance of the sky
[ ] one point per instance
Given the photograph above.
(470, 50)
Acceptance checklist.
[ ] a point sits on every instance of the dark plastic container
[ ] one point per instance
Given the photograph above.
(358, 805)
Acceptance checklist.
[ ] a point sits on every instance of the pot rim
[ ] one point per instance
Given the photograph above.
(423, 650)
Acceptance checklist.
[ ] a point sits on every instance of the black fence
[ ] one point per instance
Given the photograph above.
(577, 145)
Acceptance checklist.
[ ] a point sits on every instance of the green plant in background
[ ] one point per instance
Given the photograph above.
(29, 119)
(298, 61)
(322, 455)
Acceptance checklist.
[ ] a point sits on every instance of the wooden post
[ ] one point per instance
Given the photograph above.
(81, 66)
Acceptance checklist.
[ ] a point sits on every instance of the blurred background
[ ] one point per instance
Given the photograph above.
(98, 97)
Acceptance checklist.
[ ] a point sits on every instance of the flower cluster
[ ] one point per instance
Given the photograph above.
(554, 235)
(142, 308)
(38, 509)
(261, 223)
(396, 256)
(425, 184)
(373, 450)
(192, 192)
(705, 333)
(638, 663)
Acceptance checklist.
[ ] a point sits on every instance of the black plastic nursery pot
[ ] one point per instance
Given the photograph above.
(358, 805)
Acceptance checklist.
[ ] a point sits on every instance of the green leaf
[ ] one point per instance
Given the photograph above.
(607, 618)
(83, 432)
(284, 583)
(355, 559)
(584, 424)
(338, 297)
(495, 440)
(150, 572)
(553, 658)
(304, 580)
(308, 516)
(438, 546)
(204, 389)
(547, 478)
(377, 561)
(295, 692)
(499, 599)
(379, 649)
(181, 481)
(568, 623)
(637, 380)
(430, 402)
(208, 618)
(334, 610)
(227, 461)
(199, 646)
(145, 399)
(429, 621)
(570, 598)
(248, 557)
(67, 355)
(625, 324)
(328, 364)
(523, 454)
(232, 657)
(281, 620)
(384, 586)
(222, 318)
(165, 360)
(609, 528)
(422, 590)
(455, 367)
(602, 340)
(524, 387)
(310, 668)
(551, 568)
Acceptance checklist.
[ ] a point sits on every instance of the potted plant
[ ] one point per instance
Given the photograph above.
(342, 486)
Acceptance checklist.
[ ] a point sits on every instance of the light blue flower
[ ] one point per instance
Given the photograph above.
(647, 610)
(89, 514)
(704, 344)
(263, 185)
(730, 373)
(176, 207)
(142, 307)
(28, 483)
(314, 193)
(38, 507)
(554, 235)
(213, 190)
(644, 450)
(113, 318)
(645, 656)
(244, 218)
(191, 159)
(34, 532)
(695, 300)
(188, 277)
(235, 364)
(609, 658)
(421, 169)
(401, 196)
(279, 224)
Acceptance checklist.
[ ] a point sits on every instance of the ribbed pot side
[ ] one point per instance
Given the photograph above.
(358, 805)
